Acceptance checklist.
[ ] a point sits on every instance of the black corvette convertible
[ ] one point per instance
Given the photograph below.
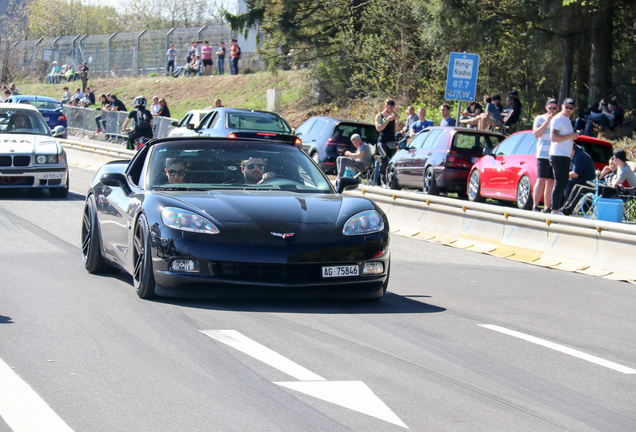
(213, 217)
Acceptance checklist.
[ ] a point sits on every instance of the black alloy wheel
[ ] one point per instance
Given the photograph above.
(91, 250)
(143, 277)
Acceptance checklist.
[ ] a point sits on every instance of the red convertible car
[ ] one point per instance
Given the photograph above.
(509, 174)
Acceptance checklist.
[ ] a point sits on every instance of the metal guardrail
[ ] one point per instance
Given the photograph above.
(586, 246)
(110, 123)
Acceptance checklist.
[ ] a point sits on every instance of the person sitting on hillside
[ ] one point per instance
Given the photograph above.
(53, 75)
(69, 74)
(511, 112)
(66, 97)
(581, 121)
(609, 117)
(193, 67)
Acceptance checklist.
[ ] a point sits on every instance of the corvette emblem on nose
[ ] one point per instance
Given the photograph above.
(283, 235)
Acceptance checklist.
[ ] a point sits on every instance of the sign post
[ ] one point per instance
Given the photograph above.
(461, 79)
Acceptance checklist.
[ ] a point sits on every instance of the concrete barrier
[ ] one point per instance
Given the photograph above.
(592, 247)
(91, 156)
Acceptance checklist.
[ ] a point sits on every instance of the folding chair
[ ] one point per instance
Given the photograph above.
(628, 195)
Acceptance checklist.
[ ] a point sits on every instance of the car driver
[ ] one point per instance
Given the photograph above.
(253, 170)
(175, 170)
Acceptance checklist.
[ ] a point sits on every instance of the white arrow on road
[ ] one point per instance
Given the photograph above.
(354, 395)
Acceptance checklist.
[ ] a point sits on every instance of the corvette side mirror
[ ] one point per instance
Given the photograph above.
(346, 183)
(116, 180)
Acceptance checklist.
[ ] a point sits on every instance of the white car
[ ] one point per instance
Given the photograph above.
(30, 156)
(192, 117)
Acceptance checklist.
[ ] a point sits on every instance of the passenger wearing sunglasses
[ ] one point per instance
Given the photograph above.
(545, 177)
(562, 138)
(175, 170)
(253, 170)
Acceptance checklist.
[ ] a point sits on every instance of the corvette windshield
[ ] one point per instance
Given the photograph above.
(197, 165)
(21, 121)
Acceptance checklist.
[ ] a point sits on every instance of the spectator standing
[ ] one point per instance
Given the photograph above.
(218, 103)
(164, 111)
(171, 57)
(545, 177)
(206, 58)
(105, 104)
(360, 159)
(83, 74)
(421, 123)
(53, 75)
(562, 139)
(154, 106)
(387, 123)
(220, 58)
(191, 52)
(582, 169)
(411, 117)
(197, 50)
(66, 97)
(447, 120)
(611, 115)
(234, 57)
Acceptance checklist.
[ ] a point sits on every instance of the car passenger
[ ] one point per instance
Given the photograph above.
(175, 170)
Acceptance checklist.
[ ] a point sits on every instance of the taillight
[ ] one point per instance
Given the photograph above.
(453, 160)
(232, 135)
(62, 117)
(298, 142)
(266, 133)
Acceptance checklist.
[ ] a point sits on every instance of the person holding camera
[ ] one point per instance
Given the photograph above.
(387, 123)
(610, 115)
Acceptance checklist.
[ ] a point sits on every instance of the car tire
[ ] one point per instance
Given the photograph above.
(91, 246)
(430, 187)
(60, 192)
(524, 193)
(143, 277)
(474, 187)
(392, 180)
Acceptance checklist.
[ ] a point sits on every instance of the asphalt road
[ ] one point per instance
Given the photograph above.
(462, 342)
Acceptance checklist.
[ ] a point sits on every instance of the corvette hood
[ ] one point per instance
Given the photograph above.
(28, 144)
(270, 206)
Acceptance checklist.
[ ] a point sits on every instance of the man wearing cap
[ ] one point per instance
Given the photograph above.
(562, 139)
(360, 160)
(545, 177)
(624, 175)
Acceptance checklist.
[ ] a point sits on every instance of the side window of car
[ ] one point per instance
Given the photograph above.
(304, 128)
(432, 139)
(507, 146)
(185, 120)
(528, 145)
(416, 142)
(214, 120)
(317, 127)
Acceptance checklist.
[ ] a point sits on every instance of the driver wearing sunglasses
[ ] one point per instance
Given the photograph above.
(175, 170)
(253, 170)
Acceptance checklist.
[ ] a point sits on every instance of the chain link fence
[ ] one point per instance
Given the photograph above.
(89, 121)
(124, 54)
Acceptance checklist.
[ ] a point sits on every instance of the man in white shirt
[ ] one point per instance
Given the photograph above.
(562, 138)
(545, 176)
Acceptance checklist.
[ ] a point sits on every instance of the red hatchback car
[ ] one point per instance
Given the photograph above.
(509, 174)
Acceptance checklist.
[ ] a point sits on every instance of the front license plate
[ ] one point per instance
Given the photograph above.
(340, 271)
(48, 176)
(475, 159)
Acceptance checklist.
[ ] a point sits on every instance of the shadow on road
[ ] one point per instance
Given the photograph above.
(5, 320)
(36, 194)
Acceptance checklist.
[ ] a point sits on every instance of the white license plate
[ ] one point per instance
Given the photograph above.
(340, 271)
(48, 176)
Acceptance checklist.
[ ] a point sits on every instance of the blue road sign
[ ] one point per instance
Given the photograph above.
(461, 81)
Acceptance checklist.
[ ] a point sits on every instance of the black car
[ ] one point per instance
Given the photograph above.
(237, 123)
(184, 218)
(326, 138)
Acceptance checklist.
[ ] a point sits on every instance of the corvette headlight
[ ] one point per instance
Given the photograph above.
(365, 222)
(187, 221)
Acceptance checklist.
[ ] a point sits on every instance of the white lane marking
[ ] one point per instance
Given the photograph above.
(354, 395)
(563, 349)
(22, 408)
(262, 353)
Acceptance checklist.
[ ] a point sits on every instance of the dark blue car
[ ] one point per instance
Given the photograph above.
(50, 109)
